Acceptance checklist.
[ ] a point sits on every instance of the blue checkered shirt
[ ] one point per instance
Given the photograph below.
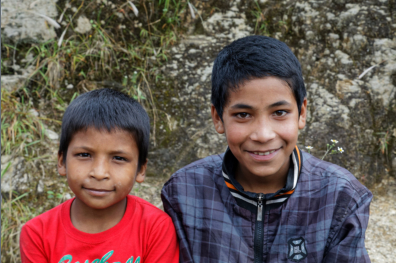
(322, 219)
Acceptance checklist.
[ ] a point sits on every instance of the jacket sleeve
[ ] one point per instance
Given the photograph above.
(347, 235)
(31, 246)
(185, 253)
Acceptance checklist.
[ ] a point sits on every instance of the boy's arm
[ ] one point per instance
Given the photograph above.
(31, 246)
(163, 245)
(346, 239)
(185, 253)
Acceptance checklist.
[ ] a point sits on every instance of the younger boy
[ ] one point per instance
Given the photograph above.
(103, 151)
(264, 200)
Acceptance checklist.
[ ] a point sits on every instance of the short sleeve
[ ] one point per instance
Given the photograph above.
(162, 243)
(31, 245)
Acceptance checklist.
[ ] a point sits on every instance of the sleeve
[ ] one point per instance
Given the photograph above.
(346, 241)
(31, 246)
(185, 253)
(163, 245)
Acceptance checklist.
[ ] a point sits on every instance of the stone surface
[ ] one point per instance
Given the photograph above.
(380, 237)
(15, 177)
(18, 21)
(83, 25)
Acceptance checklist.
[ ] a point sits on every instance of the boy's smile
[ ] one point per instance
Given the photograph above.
(101, 167)
(261, 123)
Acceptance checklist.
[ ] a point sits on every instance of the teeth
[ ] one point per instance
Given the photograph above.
(263, 153)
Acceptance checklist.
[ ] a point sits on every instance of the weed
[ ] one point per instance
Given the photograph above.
(384, 142)
(14, 213)
(20, 127)
(261, 25)
(330, 149)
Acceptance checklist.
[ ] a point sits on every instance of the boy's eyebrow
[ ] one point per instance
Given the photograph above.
(273, 105)
(241, 106)
(279, 103)
(112, 152)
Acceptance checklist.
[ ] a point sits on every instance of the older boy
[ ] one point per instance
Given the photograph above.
(102, 152)
(264, 200)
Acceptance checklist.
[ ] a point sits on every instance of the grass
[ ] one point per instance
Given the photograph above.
(14, 213)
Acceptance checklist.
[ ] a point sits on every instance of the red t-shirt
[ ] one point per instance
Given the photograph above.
(145, 234)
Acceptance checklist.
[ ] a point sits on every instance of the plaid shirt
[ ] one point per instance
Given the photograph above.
(322, 215)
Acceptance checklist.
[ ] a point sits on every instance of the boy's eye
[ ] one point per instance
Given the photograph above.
(85, 155)
(119, 158)
(242, 115)
(280, 113)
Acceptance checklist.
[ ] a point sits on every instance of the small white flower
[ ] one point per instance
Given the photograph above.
(309, 147)
(334, 141)
(340, 149)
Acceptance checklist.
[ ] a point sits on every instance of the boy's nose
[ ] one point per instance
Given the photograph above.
(262, 132)
(100, 170)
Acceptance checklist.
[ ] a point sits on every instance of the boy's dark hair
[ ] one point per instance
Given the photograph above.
(254, 57)
(106, 109)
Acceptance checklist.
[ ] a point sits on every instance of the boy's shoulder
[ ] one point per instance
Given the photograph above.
(321, 174)
(147, 211)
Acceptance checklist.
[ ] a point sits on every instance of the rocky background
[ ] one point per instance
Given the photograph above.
(348, 54)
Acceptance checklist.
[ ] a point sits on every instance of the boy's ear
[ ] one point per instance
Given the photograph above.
(303, 115)
(218, 123)
(61, 165)
(141, 174)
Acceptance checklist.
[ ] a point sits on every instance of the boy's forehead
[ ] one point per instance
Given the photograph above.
(112, 131)
(260, 88)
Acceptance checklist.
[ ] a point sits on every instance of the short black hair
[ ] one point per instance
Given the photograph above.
(255, 57)
(106, 109)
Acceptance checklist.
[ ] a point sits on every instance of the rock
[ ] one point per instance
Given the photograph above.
(12, 82)
(51, 135)
(15, 178)
(40, 187)
(343, 58)
(83, 25)
(18, 22)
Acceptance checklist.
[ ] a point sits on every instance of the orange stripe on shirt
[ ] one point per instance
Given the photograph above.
(299, 159)
(287, 193)
(230, 186)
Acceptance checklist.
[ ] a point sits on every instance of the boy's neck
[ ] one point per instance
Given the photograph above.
(266, 185)
(92, 221)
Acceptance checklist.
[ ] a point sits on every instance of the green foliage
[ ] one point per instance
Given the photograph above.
(14, 213)
(20, 127)
(51, 194)
(261, 25)
(330, 149)
(383, 142)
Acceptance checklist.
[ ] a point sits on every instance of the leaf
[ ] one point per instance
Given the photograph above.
(49, 20)
(191, 10)
(61, 38)
(134, 8)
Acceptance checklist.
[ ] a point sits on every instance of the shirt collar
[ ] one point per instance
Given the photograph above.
(229, 166)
